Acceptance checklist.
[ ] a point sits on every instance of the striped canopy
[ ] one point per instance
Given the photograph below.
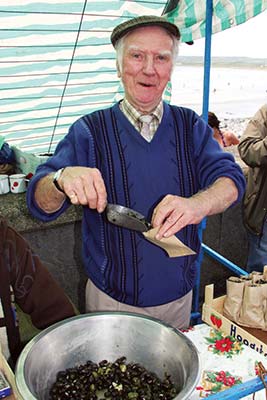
(57, 62)
(190, 15)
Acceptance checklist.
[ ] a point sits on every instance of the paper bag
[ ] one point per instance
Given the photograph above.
(234, 297)
(256, 276)
(172, 245)
(253, 307)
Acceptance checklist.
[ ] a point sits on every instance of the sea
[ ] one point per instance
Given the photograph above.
(238, 86)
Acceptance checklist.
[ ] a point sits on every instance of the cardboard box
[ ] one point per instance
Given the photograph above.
(212, 314)
(5, 368)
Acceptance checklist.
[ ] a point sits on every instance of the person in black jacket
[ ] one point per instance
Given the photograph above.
(26, 282)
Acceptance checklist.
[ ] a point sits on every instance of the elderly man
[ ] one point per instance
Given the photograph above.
(169, 169)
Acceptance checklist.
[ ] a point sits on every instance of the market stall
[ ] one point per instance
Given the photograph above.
(44, 92)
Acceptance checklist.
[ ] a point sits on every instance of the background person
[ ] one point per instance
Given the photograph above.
(25, 281)
(253, 151)
(170, 170)
(224, 138)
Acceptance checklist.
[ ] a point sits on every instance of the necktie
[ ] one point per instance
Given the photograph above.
(145, 126)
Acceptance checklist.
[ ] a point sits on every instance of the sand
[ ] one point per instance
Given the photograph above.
(235, 94)
(235, 125)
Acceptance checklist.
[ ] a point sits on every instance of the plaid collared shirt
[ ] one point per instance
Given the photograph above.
(133, 116)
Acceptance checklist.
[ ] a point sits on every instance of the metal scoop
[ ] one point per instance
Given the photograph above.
(127, 218)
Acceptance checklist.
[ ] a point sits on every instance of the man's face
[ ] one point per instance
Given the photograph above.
(146, 66)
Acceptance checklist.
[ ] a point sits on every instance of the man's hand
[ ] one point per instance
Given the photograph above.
(173, 213)
(82, 185)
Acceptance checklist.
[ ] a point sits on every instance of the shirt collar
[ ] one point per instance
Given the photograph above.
(133, 115)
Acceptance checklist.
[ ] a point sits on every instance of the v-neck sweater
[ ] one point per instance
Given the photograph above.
(181, 159)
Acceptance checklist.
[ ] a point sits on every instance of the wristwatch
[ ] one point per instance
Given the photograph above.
(56, 178)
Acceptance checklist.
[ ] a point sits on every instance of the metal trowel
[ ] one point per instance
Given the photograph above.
(131, 219)
(127, 218)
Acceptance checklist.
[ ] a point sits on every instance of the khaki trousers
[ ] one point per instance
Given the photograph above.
(176, 313)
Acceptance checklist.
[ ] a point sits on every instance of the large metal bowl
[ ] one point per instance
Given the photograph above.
(107, 335)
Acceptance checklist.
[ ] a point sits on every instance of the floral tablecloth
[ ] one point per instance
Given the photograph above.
(224, 362)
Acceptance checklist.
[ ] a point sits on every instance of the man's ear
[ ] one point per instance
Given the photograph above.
(118, 70)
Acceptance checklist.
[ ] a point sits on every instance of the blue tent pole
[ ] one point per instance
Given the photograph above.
(207, 60)
(195, 315)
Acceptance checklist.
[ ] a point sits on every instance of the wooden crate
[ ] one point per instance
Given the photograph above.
(212, 314)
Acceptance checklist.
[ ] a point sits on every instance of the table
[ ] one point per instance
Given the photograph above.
(225, 363)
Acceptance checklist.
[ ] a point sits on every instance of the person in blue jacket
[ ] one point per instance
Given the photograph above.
(171, 170)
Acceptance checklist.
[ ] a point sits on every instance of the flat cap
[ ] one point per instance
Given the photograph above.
(139, 22)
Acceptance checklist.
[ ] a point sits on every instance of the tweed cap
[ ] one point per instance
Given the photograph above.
(139, 22)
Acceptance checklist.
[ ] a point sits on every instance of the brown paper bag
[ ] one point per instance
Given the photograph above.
(264, 291)
(172, 245)
(253, 307)
(256, 276)
(246, 278)
(234, 297)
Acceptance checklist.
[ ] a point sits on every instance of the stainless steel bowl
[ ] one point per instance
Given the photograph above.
(107, 335)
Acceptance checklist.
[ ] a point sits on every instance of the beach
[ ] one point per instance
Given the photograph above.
(236, 93)
(235, 125)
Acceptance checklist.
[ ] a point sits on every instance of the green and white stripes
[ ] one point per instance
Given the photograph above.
(57, 64)
(190, 15)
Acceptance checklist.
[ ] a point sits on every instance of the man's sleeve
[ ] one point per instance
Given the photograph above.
(253, 143)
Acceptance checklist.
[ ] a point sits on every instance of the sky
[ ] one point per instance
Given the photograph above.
(245, 40)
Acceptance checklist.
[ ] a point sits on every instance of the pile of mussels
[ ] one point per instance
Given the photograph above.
(106, 380)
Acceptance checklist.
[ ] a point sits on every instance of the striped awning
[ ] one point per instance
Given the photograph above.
(57, 64)
(190, 15)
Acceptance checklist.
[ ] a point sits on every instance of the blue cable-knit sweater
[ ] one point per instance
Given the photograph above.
(181, 159)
